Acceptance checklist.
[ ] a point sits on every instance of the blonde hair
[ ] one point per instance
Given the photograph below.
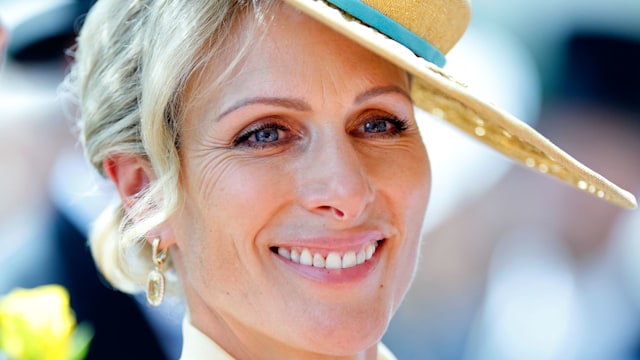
(133, 61)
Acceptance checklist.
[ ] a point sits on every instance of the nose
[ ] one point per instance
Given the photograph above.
(334, 180)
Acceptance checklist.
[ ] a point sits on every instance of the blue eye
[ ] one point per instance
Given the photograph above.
(376, 126)
(266, 135)
(262, 135)
(383, 126)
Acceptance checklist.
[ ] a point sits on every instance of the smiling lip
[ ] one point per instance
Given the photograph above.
(348, 275)
(333, 260)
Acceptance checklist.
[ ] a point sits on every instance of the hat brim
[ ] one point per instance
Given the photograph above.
(438, 93)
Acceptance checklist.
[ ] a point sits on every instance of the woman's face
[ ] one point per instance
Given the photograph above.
(305, 185)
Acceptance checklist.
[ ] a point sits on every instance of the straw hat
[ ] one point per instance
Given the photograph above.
(416, 35)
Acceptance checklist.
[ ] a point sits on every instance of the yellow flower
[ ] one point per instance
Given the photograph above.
(39, 324)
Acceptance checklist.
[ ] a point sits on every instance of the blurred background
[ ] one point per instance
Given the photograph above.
(513, 265)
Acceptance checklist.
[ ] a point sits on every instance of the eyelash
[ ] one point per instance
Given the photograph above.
(251, 131)
(399, 126)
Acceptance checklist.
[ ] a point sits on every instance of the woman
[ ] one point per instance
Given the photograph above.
(275, 164)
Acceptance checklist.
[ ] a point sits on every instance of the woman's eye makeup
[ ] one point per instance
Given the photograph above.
(273, 133)
(262, 135)
(382, 126)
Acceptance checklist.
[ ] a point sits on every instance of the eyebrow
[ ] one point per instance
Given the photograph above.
(301, 105)
(291, 103)
(377, 91)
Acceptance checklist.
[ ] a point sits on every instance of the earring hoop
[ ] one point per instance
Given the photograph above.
(156, 280)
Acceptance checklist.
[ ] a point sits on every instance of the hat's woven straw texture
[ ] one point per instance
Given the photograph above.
(440, 22)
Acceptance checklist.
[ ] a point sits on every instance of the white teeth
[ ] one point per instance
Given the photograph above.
(369, 250)
(284, 253)
(333, 260)
(295, 256)
(349, 259)
(306, 258)
(318, 261)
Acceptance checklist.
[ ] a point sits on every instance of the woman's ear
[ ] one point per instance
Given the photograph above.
(130, 173)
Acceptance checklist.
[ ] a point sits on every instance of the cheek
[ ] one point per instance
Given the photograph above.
(232, 198)
(227, 202)
(407, 184)
(404, 179)
(248, 192)
(414, 189)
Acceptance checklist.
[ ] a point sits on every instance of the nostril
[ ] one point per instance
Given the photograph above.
(330, 209)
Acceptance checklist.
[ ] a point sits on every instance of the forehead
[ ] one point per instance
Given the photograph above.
(286, 49)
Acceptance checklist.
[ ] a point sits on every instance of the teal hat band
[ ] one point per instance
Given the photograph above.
(391, 28)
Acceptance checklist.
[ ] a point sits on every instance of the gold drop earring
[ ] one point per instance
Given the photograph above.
(155, 280)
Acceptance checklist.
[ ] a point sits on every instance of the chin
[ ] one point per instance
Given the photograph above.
(351, 344)
(346, 333)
